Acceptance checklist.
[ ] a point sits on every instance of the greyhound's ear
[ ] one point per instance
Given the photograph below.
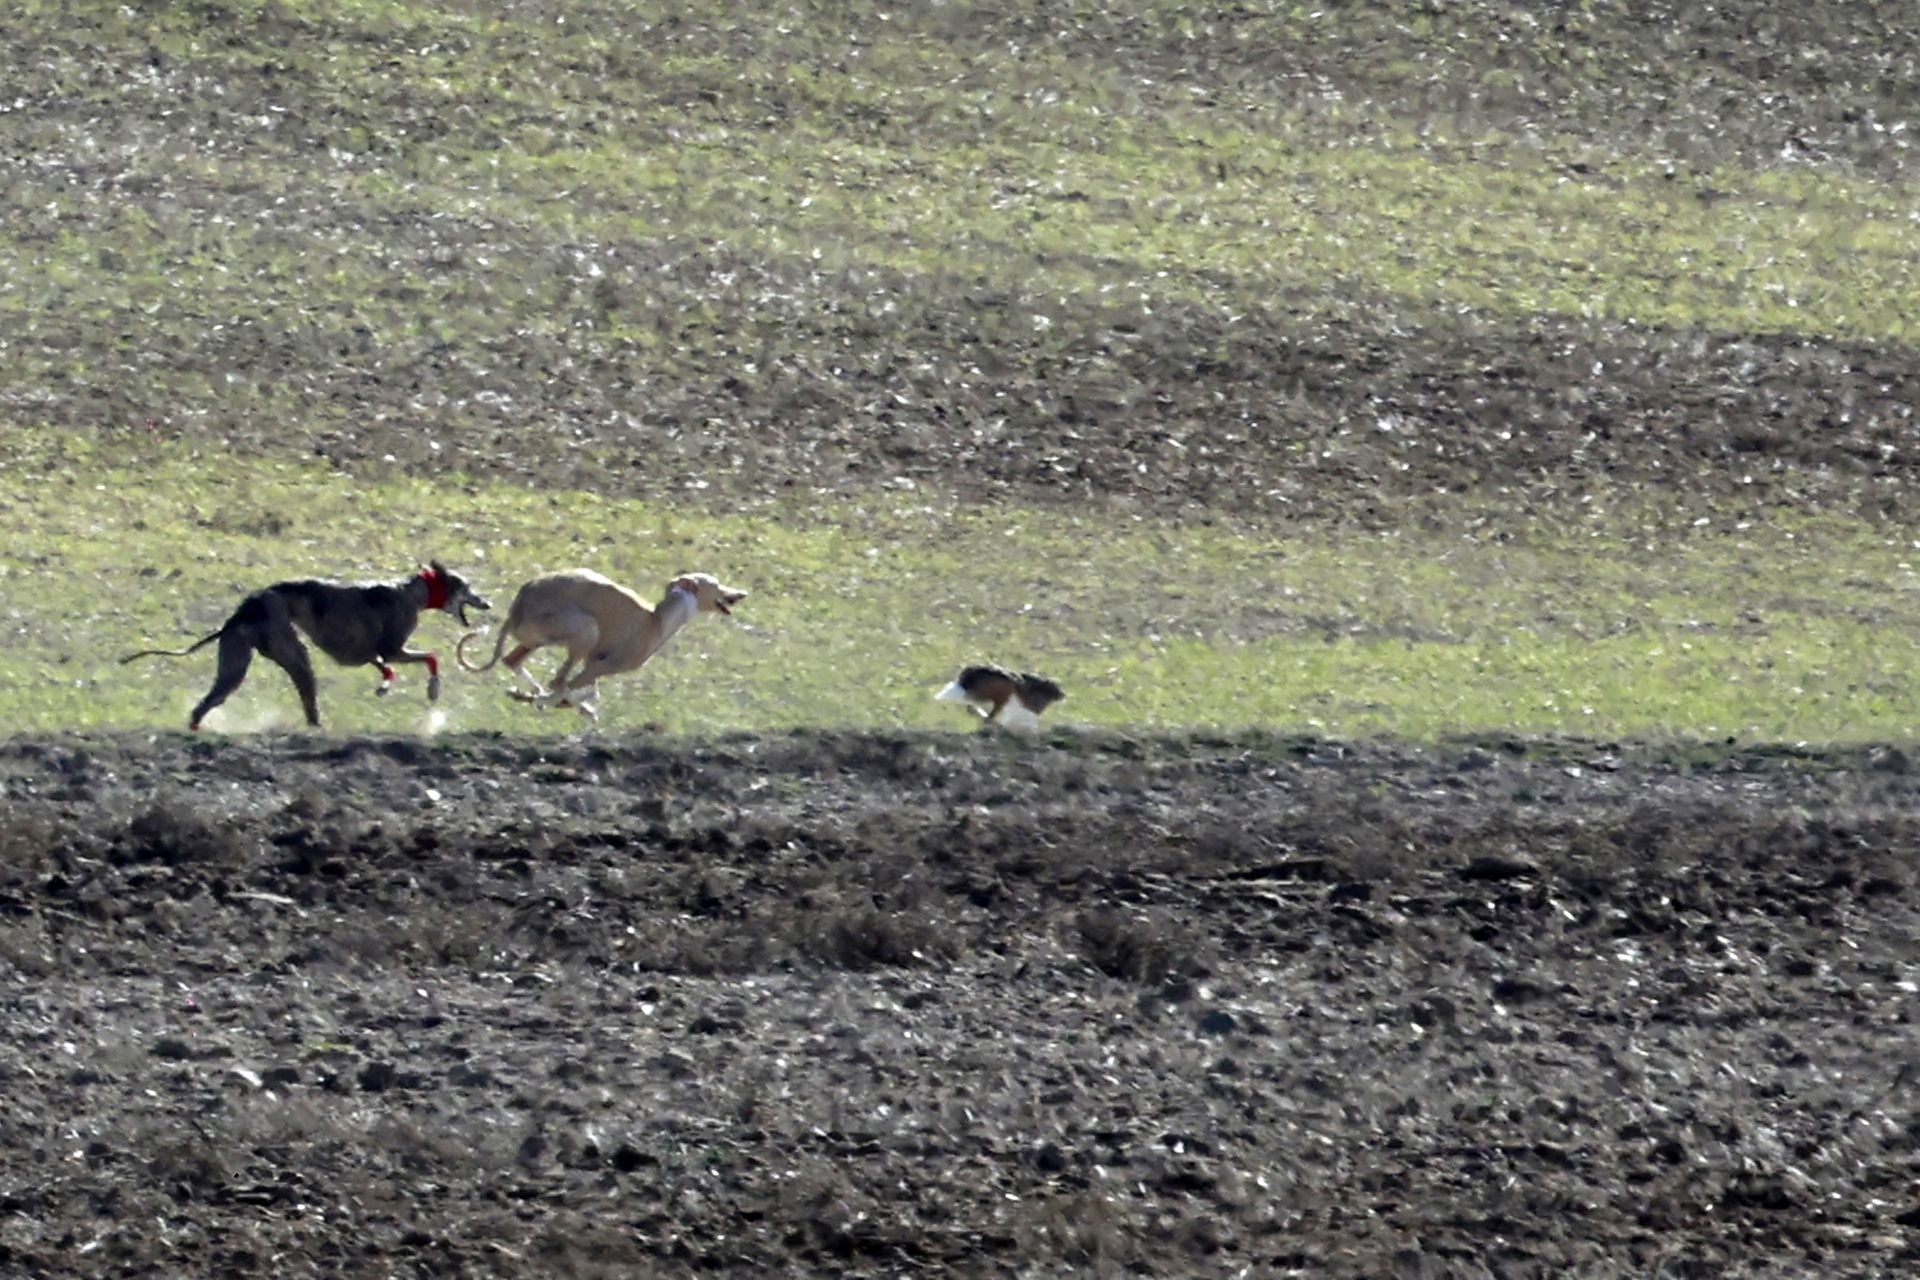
(437, 567)
(684, 582)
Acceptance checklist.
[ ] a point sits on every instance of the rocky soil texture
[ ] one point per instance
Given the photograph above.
(887, 1005)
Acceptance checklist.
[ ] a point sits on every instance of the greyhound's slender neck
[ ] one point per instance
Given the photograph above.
(436, 588)
(676, 610)
(673, 612)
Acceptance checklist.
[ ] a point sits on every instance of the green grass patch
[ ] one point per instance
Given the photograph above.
(859, 611)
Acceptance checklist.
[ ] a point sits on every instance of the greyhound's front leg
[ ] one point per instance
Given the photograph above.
(430, 660)
(386, 679)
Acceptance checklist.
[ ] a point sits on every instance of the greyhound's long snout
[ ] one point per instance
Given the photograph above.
(474, 601)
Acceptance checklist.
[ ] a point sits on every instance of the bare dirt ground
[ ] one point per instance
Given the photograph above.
(879, 1005)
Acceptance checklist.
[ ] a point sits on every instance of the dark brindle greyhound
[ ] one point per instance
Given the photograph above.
(353, 623)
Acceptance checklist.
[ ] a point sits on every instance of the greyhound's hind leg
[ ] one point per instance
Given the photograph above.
(514, 662)
(284, 648)
(236, 655)
(556, 694)
(577, 630)
(583, 690)
(584, 698)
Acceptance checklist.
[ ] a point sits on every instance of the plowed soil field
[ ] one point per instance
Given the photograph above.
(879, 1005)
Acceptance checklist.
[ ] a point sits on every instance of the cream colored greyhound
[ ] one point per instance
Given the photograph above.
(606, 629)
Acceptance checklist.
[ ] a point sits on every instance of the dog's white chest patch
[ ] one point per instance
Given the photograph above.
(1016, 716)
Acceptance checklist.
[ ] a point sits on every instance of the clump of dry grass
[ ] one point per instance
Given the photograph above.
(866, 937)
(173, 831)
(1143, 947)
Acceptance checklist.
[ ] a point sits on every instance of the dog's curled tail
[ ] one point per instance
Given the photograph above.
(195, 647)
(460, 651)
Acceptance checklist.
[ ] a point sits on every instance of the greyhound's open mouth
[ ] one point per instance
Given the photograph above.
(461, 609)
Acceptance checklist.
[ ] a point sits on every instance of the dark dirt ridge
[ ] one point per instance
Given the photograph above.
(1379, 417)
(868, 1005)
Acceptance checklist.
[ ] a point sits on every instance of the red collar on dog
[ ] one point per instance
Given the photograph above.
(436, 589)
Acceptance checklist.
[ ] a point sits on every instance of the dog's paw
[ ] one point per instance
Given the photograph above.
(433, 688)
(383, 690)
